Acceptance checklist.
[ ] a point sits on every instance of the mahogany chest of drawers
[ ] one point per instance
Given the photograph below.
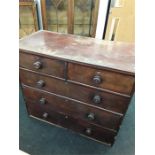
(79, 83)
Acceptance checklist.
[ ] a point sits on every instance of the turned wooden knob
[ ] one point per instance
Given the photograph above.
(91, 116)
(37, 65)
(42, 101)
(97, 99)
(97, 79)
(88, 131)
(45, 115)
(40, 84)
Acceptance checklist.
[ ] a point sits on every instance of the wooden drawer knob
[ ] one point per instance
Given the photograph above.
(45, 115)
(42, 101)
(88, 131)
(37, 65)
(97, 99)
(91, 116)
(40, 84)
(97, 79)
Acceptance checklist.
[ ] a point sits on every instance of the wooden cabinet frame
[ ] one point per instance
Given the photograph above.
(70, 14)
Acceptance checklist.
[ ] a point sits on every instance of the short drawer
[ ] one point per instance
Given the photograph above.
(107, 101)
(105, 79)
(41, 64)
(73, 108)
(80, 126)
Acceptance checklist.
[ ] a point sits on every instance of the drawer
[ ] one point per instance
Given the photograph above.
(104, 100)
(80, 126)
(105, 79)
(43, 65)
(73, 108)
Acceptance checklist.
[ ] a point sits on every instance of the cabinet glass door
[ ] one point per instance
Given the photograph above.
(70, 16)
(27, 18)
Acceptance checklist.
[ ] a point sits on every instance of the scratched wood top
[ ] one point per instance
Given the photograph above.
(107, 54)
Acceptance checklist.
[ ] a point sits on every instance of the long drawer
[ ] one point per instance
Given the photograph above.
(73, 108)
(80, 126)
(110, 80)
(91, 96)
(43, 65)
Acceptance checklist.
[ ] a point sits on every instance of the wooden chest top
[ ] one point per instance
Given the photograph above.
(106, 54)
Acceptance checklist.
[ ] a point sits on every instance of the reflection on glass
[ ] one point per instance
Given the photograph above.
(26, 21)
(83, 16)
(71, 16)
(57, 15)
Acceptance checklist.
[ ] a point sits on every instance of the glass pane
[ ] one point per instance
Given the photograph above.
(26, 30)
(82, 30)
(25, 15)
(26, 21)
(52, 27)
(57, 15)
(62, 28)
(83, 16)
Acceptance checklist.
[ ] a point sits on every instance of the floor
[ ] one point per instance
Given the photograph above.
(38, 138)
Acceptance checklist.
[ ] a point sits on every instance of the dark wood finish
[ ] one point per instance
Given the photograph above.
(66, 121)
(47, 66)
(70, 14)
(116, 56)
(101, 78)
(108, 101)
(95, 18)
(77, 83)
(43, 11)
(74, 109)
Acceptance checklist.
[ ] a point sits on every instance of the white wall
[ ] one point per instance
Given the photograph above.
(101, 18)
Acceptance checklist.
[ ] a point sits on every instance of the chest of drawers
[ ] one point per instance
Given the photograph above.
(79, 83)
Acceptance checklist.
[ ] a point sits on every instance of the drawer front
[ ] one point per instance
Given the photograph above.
(82, 127)
(74, 109)
(109, 80)
(107, 101)
(42, 65)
